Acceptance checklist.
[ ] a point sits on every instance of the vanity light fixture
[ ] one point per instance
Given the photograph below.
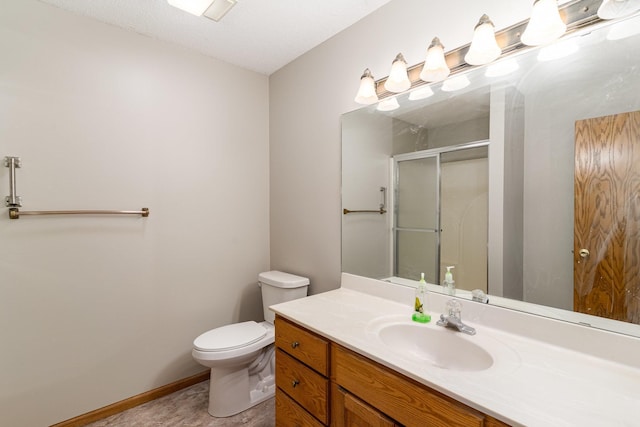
(455, 83)
(612, 9)
(558, 50)
(545, 24)
(215, 9)
(502, 68)
(398, 80)
(435, 66)
(388, 104)
(484, 47)
(422, 93)
(367, 92)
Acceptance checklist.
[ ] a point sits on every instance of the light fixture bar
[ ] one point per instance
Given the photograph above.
(576, 14)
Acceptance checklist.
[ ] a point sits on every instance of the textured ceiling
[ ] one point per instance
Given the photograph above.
(259, 35)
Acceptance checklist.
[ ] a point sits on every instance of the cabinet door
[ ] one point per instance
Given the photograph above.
(353, 412)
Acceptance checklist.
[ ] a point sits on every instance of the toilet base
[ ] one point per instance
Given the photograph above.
(234, 390)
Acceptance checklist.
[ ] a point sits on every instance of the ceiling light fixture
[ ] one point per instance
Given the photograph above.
(435, 66)
(367, 92)
(215, 9)
(484, 47)
(398, 80)
(545, 24)
(612, 9)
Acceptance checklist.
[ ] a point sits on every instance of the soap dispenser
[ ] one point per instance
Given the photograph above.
(449, 283)
(420, 312)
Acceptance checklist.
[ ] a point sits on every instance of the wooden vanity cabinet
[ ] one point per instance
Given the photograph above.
(302, 371)
(320, 383)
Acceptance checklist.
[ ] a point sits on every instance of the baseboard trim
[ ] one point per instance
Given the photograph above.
(123, 405)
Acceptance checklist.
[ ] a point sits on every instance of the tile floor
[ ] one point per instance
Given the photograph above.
(188, 408)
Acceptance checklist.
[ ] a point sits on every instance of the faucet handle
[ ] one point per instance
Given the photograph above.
(454, 308)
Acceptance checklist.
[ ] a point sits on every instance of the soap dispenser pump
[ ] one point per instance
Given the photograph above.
(420, 313)
(449, 283)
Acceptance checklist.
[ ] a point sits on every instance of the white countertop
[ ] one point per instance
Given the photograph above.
(532, 382)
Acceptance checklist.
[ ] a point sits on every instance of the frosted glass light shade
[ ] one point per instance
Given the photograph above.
(502, 68)
(435, 66)
(545, 24)
(367, 92)
(398, 80)
(388, 104)
(612, 9)
(455, 83)
(558, 50)
(194, 7)
(421, 93)
(484, 47)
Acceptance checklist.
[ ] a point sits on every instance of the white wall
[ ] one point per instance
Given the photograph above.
(307, 98)
(94, 310)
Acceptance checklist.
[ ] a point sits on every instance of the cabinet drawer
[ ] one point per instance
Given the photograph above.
(290, 414)
(305, 346)
(401, 398)
(304, 385)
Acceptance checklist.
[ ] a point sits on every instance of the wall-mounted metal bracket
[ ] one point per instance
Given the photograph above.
(12, 200)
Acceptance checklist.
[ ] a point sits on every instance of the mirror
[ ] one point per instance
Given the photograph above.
(508, 180)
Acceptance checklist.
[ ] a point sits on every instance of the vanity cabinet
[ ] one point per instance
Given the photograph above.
(302, 371)
(320, 383)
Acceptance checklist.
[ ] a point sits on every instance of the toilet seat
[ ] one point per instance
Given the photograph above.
(230, 337)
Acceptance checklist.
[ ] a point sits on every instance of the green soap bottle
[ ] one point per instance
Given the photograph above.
(420, 313)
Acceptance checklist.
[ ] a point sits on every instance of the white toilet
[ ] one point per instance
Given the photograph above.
(241, 355)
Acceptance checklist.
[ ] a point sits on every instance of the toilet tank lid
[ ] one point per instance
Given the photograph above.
(282, 280)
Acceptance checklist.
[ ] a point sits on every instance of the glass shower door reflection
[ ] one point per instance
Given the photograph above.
(416, 228)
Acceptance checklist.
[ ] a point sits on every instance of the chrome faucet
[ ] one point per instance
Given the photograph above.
(454, 319)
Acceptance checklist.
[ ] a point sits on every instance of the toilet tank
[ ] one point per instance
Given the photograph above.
(278, 287)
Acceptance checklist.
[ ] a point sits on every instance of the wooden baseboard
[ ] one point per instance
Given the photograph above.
(123, 405)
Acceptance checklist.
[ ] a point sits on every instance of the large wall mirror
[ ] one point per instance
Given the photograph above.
(525, 178)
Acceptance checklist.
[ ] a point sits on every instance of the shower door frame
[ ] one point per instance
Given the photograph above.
(417, 155)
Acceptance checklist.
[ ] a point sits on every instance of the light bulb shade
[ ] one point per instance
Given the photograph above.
(367, 92)
(545, 24)
(502, 68)
(558, 50)
(612, 9)
(398, 80)
(194, 7)
(455, 83)
(421, 93)
(388, 104)
(484, 47)
(435, 66)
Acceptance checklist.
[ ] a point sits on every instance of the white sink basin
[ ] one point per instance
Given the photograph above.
(438, 346)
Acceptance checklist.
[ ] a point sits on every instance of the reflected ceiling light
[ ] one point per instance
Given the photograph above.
(455, 83)
(421, 93)
(213, 9)
(398, 80)
(435, 66)
(484, 48)
(388, 104)
(367, 92)
(502, 68)
(558, 50)
(545, 24)
(622, 30)
(612, 9)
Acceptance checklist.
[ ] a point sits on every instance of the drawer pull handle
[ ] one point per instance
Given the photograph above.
(295, 344)
(294, 383)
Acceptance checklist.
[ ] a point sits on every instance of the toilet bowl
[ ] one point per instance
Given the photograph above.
(242, 355)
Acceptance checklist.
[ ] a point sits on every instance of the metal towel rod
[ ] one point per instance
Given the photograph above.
(15, 213)
(14, 202)
(382, 210)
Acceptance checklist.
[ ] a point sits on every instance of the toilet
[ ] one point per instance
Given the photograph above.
(242, 355)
